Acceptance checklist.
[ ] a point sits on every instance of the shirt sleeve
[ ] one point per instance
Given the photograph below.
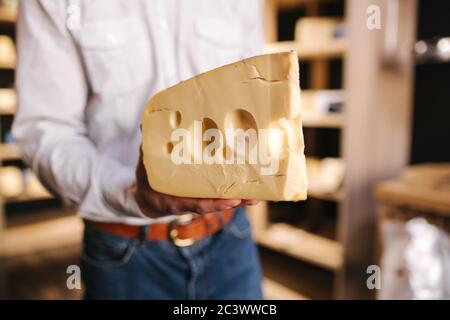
(252, 24)
(50, 126)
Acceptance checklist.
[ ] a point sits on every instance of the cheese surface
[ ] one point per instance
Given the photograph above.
(259, 94)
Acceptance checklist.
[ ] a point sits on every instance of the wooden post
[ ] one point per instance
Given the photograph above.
(270, 20)
(319, 67)
(319, 74)
(377, 132)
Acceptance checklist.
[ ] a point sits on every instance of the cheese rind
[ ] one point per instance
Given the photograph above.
(260, 93)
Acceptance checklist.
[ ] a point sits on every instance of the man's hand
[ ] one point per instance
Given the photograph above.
(155, 204)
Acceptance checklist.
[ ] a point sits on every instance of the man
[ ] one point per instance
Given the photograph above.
(85, 71)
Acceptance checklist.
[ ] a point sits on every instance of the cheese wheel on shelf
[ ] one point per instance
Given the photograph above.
(11, 182)
(7, 51)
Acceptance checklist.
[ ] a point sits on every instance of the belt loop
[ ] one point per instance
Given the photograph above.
(143, 234)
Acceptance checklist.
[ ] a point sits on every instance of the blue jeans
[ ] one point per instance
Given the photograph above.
(222, 266)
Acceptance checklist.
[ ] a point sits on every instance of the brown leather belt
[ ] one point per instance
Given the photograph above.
(184, 231)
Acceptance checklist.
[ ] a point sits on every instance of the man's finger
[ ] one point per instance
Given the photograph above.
(207, 205)
(249, 202)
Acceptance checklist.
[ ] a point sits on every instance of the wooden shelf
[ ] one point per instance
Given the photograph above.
(41, 236)
(292, 4)
(423, 187)
(323, 120)
(26, 197)
(333, 49)
(329, 196)
(276, 291)
(8, 107)
(302, 245)
(7, 15)
(7, 113)
(8, 152)
(4, 66)
(372, 103)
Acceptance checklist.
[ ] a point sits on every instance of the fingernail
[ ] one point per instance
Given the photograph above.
(235, 203)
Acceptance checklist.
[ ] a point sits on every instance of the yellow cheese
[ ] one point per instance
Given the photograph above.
(33, 186)
(258, 95)
(325, 175)
(11, 182)
(8, 101)
(7, 51)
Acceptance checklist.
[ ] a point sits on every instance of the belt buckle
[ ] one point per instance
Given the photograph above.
(173, 232)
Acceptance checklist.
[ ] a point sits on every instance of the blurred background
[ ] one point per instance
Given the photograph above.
(375, 98)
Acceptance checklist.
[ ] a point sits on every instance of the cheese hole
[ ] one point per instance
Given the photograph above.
(238, 122)
(175, 119)
(240, 119)
(208, 123)
(169, 147)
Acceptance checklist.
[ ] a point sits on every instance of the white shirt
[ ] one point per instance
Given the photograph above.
(86, 69)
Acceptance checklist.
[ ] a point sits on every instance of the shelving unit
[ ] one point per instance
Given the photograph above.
(9, 154)
(291, 240)
(33, 236)
(7, 113)
(275, 291)
(7, 15)
(364, 142)
(334, 49)
(303, 245)
(41, 236)
(327, 196)
(7, 20)
(7, 66)
(323, 121)
(29, 196)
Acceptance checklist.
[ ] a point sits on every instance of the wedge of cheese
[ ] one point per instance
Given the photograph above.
(258, 95)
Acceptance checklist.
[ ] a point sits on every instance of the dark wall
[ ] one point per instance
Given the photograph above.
(431, 121)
